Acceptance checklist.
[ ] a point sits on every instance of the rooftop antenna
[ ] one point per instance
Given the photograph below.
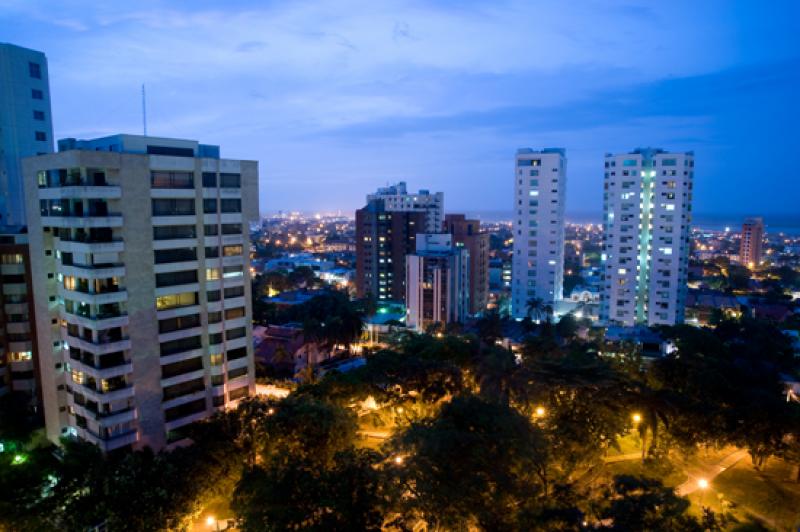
(144, 110)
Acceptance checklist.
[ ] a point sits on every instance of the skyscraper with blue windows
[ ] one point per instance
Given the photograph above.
(26, 126)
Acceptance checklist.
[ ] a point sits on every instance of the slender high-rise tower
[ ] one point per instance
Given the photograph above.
(141, 280)
(751, 243)
(26, 127)
(647, 204)
(540, 182)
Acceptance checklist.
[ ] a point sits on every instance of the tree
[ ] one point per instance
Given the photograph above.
(490, 327)
(639, 503)
(535, 308)
(476, 463)
(567, 326)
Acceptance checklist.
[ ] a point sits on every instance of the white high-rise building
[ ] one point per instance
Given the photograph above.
(647, 204)
(141, 280)
(437, 282)
(540, 182)
(26, 127)
(397, 198)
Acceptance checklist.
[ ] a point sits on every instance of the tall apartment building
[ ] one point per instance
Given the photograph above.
(386, 231)
(751, 242)
(647, 202)
(26, 126)
(18, 353)
(540, 183)
(467, 233)
(139, 262)
(437, 282)
(396, 198)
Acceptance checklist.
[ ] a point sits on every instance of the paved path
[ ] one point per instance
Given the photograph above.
(623, 457)
(709, 472)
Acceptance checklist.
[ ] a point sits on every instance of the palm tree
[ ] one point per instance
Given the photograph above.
(535, 307)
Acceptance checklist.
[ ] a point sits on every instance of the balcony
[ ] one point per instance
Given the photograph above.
(110, 442)
(98, 320)
(93, 271)
(109, 295)
(104, 419)
(98, 372)
(79, 190)
(89, 245)
(99, 348)
(86, 221)
(125, 392)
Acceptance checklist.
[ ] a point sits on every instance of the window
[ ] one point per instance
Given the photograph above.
(215, 317)
(179, 323)
(184, 299)
(231, 229)
(209, 206)
(38, 115)
(231, 251)
(213, 295)
(212, 274)
(211, 230)
(233, 313)
(171, 180)
(165, 256)
(229, 272)
(529, 162)
(238, 393)
(230, 180)
(215, 338)
(233, 334)
(36, 94)
(216, 359)
(238, 372)
(184, 388)
(186, 409)
(669, 162)
(41, 135)
(171, 232)
(179, 368)
(212, 252)
(209, 180)
(239, 352)
(180, 345)
(231, 205)
(35, 70)
(234, 291)
(176, 278)
(173, 207)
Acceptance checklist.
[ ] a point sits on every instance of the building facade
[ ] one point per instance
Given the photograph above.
(751, 242)
(396, 198)
(18, 349)
(467, 233)
(386, 231)
(437, 282)
(540, 182)
(647, 203)
(26, 126)
(140, 273)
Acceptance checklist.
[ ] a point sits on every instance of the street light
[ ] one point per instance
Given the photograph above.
(702, 483)
(636, 417)
(212, 521)
(398, 460)
(540, 411)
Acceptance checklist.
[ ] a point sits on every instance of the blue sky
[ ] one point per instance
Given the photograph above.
(337, 97)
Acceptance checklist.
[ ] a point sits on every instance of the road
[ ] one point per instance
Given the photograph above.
(709, 472)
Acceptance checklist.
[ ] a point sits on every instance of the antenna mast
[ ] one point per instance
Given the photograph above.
(144, 110)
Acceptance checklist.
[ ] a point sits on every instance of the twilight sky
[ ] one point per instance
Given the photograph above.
(337, 97)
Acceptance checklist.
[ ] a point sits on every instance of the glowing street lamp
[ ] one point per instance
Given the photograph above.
(540, 411)
(398, 460)
(702, 484)
(637, 418)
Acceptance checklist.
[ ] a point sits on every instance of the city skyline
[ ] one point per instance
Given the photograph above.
(410, 96)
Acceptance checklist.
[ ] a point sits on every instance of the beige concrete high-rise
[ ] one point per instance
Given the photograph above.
(139, 261)
(751, 242)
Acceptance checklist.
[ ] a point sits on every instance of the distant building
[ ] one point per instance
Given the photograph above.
(540, 183)
(140, 272)
(437, 282)
(467, 233)
(18, 348)
(396, 198)
(386, 231)
(751, 242)
(647, 206)
(26, 126)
